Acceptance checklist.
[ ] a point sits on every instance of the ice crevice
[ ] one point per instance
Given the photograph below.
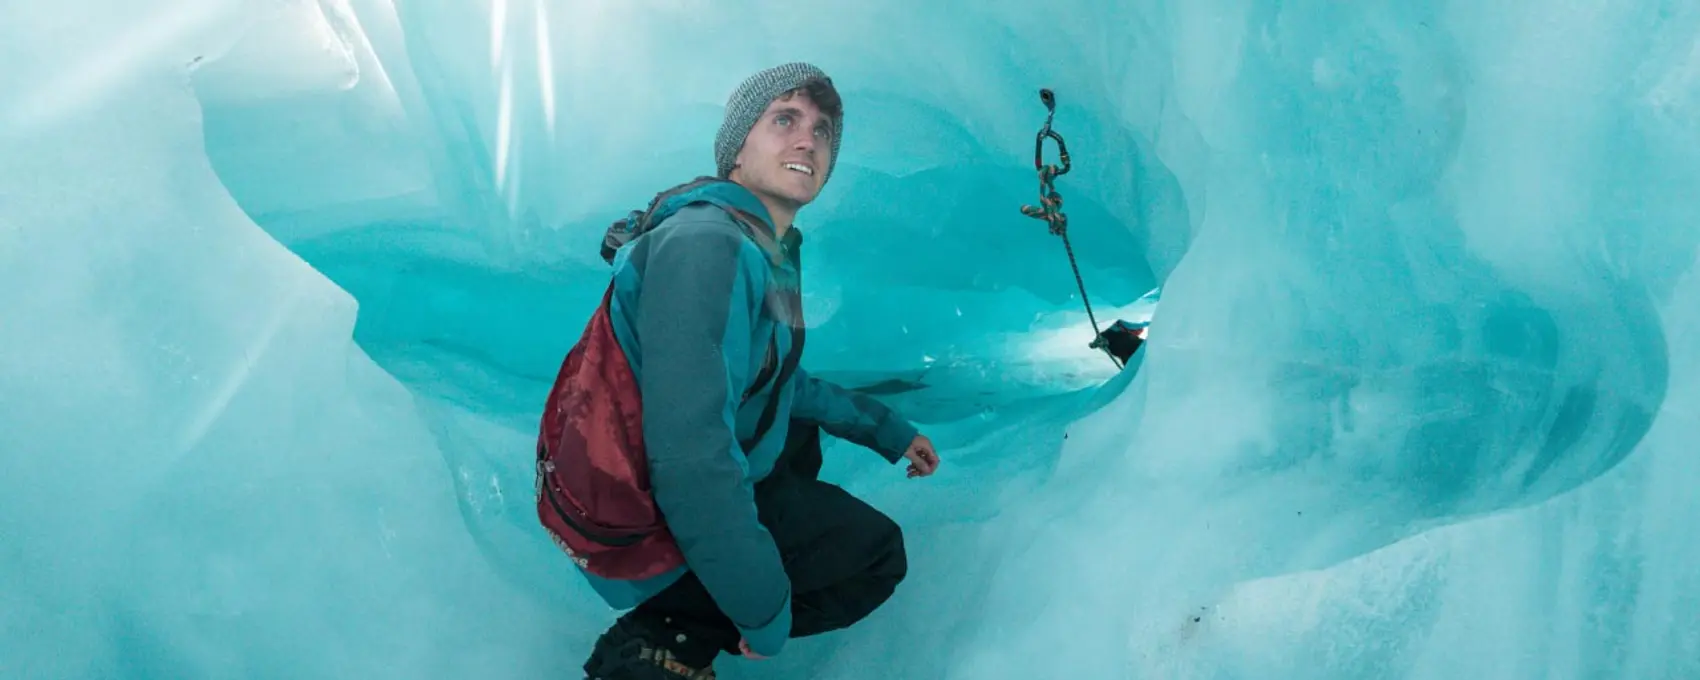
(286, 280)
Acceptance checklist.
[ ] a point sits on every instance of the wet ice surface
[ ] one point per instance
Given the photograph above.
(287, 280)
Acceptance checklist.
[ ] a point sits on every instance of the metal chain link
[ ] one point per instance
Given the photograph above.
(1050, 206)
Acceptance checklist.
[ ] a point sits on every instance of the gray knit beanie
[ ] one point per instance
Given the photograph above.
(751, 98)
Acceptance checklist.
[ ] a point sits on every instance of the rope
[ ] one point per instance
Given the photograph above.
(1050, 207)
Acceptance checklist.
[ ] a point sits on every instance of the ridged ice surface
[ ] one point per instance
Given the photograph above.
(285, 281)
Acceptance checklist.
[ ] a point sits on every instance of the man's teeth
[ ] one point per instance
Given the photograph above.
(800, 168)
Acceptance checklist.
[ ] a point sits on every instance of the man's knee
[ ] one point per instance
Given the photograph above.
(893, 563)
(827, 524)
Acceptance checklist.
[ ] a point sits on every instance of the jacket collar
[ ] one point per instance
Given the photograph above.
(735, 200)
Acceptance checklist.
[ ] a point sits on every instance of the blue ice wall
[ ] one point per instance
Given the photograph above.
(285, 283)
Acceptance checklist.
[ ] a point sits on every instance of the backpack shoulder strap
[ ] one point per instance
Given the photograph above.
(724, 194)
(638, 222)
(771, 412)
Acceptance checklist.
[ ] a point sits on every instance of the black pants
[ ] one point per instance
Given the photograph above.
(844, 557)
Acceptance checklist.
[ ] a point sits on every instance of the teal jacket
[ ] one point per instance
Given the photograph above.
(700, 306)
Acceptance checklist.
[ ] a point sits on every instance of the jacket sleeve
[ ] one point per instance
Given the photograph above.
(693, 321)
(851, 416)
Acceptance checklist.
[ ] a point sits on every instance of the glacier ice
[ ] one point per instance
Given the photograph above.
(285, 280)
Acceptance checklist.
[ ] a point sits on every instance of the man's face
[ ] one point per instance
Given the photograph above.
(786, 155)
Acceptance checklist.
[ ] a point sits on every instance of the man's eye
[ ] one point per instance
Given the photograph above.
(782, 119)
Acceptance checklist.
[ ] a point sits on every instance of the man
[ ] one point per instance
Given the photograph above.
(705, 304)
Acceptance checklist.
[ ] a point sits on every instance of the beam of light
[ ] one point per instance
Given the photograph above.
(504, 123)
(498, 31)
(545, 69)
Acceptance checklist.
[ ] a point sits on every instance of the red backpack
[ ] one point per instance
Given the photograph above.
(593, 493)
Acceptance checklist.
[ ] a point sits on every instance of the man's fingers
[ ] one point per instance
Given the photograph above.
(923, 461)
(923, 468)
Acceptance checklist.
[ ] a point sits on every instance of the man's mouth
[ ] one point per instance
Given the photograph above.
(799, 167)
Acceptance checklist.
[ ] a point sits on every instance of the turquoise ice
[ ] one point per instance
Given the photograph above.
(283, 282)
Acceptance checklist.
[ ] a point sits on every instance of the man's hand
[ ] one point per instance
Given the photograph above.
(923, 460)
(744, 646)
